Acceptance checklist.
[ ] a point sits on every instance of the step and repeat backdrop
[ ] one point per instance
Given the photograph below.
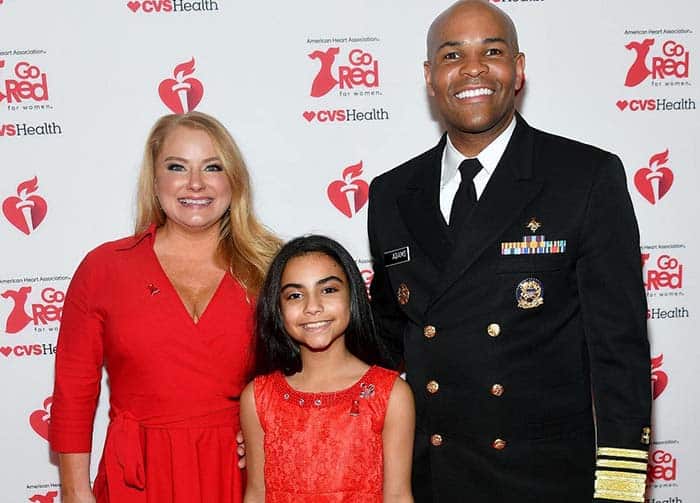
(321, 96)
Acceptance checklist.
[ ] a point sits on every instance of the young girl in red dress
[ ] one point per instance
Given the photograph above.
(323, 422)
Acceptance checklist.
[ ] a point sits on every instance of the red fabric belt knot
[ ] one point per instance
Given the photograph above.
(126, 441)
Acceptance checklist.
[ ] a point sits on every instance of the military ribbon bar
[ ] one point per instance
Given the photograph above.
(533, 245)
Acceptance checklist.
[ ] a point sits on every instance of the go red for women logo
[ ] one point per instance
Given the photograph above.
(183, 92)
(26, 82)
(672, 60)
(659, 378)
(359, 70)
(27, 210)
(663, 466)
(349, 194)
(44, 311)
(49, 497)
(40, 419)
(654, 182)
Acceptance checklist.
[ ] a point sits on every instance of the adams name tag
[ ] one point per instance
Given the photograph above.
(397, 256)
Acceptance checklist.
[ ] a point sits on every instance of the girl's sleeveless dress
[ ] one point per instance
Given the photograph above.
(324, 447)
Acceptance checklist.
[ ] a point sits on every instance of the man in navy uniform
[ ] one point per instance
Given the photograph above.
(508, 279)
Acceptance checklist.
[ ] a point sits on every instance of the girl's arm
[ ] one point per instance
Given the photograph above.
(254, 453)
(397, 439)
(75, 478)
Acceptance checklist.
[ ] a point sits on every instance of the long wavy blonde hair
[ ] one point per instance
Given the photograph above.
(244, 242)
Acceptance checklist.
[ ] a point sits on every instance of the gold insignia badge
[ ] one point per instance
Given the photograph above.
(402, 294)
(646, 435)
(533, 225)
(529, 293)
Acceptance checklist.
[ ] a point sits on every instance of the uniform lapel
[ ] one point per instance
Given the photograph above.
(419, 206)
(511, 187)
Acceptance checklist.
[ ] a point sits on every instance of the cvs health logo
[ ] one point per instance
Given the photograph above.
(672, 60)
(47, 310)
(27, 210)
(49, 497)
(659, 378)
(150, 6)
(665, 272)
(40, 419)
(663, 467)
(349, 195)
(26, 83)
(360, 69)
(653, 182)
(182, 93)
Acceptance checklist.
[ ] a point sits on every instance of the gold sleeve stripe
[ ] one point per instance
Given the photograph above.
(620, 486)
(616, 463)
(618, 496)
(623, 453)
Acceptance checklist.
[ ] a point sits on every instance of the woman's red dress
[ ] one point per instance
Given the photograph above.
(174, 384)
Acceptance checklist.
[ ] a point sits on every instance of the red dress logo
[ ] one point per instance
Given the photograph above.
(26, 210)
(350, 194)
(654, 182)
(40, 418)
(18, 317)
(182, 93)
(49, 497)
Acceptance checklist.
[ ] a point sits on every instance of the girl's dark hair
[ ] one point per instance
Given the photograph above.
(274, 348)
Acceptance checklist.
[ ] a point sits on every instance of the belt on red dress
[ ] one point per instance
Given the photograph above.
(123, 458)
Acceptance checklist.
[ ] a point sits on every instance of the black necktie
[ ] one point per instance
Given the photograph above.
(465, 198)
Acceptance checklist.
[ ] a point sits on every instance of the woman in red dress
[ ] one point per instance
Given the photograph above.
(168, 314)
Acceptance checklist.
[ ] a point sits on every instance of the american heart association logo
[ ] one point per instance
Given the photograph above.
(654, 182)
(40, 418)
(350, 194)
(659, 378)
(26, 210)
(180, 94)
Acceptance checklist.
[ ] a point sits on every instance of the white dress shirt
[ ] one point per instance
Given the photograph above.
(450, 177)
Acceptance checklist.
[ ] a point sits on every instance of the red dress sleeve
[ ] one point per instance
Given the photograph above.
(79, 360)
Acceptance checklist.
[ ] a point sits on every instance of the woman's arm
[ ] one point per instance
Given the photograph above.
(397, 439)
(254, 452)
(75, 478)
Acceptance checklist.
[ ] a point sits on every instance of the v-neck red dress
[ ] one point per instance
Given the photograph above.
(174, 384)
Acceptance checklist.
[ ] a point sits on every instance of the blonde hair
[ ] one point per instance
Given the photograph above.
(246, 245)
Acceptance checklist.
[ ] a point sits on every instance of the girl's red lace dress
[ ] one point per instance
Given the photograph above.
(324, 447)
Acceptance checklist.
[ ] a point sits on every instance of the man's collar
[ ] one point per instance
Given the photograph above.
(489, 157)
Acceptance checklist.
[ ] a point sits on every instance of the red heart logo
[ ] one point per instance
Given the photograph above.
(644, 177)
(134, 6)
(174, 93)
(39, 419)
(621, 104)
(6, 350)
(349, 199)
(309, 115)
(18, 211)
(659, 381)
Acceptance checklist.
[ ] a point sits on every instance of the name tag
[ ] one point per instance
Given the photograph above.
(397, 256)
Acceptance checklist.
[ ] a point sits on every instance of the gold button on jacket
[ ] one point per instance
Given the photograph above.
(499, 444)
(497, 390)
(429, 331)
(432, 387)
(436, 439)
(494, 329)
